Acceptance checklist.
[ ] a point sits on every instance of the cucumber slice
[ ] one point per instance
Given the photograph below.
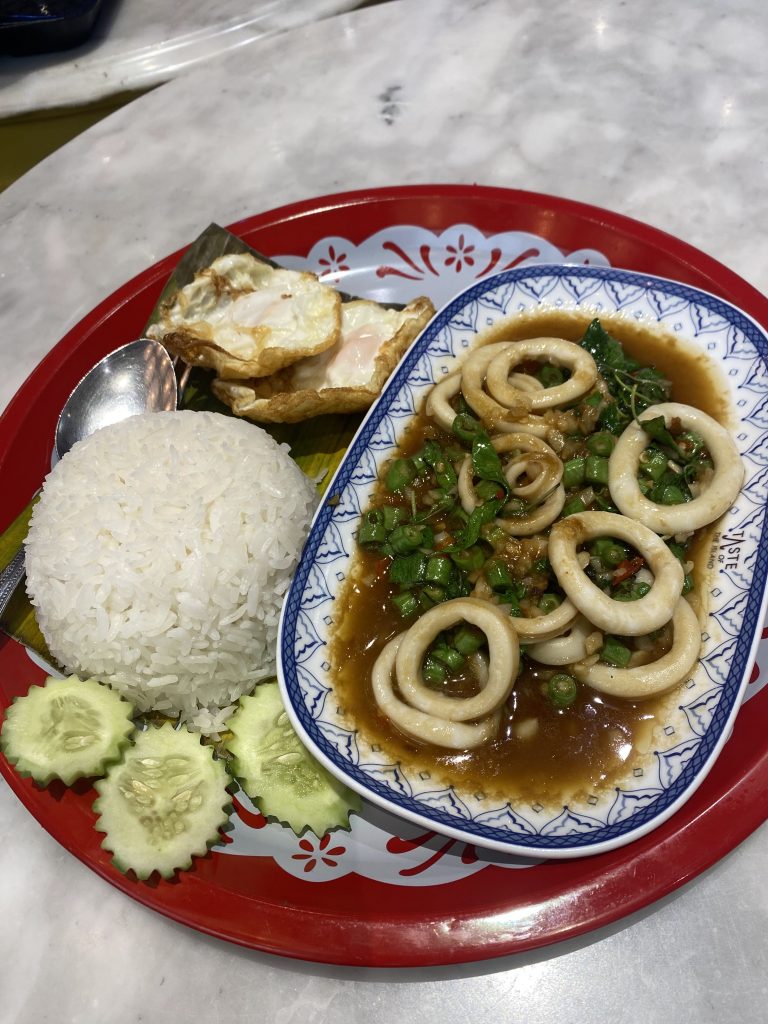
(163, 804)
(66, 729)
(279, 773)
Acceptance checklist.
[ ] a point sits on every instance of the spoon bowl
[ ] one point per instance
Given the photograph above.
(135, 378)
(138, 377)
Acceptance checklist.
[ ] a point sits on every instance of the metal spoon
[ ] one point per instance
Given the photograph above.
(138, 377)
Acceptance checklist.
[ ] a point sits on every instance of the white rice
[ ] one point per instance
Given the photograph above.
(158, 557)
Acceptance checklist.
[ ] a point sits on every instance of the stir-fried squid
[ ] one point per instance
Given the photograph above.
(628, 618)
(718, 491)
(567, 648)
(439, 401)
(503, 651)
(531, 458)
(547, 499)
(555, 351)
(493, 413)
(655, 676)
(423, 726)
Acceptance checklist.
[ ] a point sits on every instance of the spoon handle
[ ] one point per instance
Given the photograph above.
(10, 578)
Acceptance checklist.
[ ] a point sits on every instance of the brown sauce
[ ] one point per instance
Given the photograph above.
(541, 754)
(692, 374)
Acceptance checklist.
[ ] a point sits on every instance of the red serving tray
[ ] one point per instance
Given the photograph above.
(354, 920)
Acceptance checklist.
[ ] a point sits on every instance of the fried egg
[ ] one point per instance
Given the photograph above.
(347, 377)
(245, 319)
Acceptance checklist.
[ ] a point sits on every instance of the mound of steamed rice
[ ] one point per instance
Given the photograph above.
(158, 557)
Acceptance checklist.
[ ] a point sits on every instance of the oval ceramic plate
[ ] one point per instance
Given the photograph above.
(696, 723)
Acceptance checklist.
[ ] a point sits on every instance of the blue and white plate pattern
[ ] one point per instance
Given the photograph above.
(701, 714)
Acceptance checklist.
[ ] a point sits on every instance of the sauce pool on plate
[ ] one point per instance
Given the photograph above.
(541, 752)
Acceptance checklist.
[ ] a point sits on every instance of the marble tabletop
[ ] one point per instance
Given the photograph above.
(137, 44)
(655, 110)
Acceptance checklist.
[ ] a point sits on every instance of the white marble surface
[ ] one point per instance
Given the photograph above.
(655, 110)
(136, 44)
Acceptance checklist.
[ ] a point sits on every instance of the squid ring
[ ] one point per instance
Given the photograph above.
(626, 618)
(565, 649)
(491, 412)
(439, 399)
(466, 488)
(657, 676)
(548, 475)
(546, 627)
(504, 660)
(525, 382)
(542, 473)
(537, 426)
(522, 441)
(421, 726)
(719, 493)
(551, 472)
(537, 519)
(553, 350)
(534, 426)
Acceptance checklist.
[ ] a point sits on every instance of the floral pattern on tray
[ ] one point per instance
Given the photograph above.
(403, 261)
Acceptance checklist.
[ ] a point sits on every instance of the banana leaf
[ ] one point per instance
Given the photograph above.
(317, 445)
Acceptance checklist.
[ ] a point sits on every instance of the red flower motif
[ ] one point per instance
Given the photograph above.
(460, 254)
(398, 845)
(313, 856)
(334, 264)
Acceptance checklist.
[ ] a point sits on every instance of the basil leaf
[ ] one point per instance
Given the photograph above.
(657, 429)
(470, 533)
(486, 463)
(605, 350)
